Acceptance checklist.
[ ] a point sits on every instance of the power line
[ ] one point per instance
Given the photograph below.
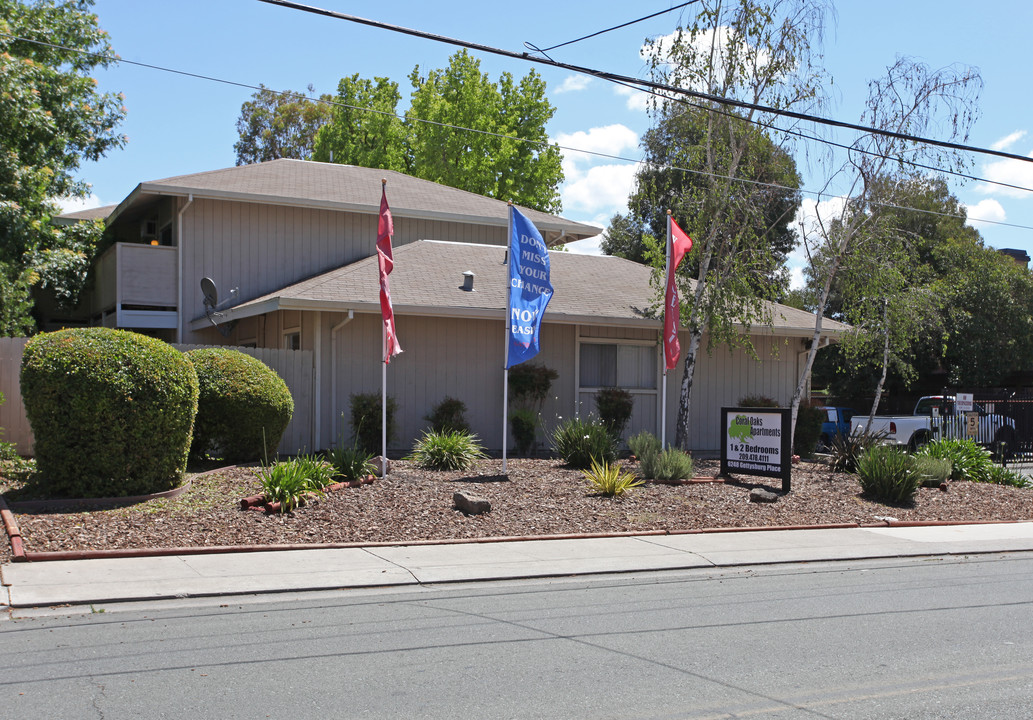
(529, 46)
(609, 156)
(640, 83)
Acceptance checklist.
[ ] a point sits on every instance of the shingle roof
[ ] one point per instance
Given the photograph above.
(428, 278)
(347, 187)
(97, 213)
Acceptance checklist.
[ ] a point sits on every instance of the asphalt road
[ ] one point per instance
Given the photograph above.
(922, 638)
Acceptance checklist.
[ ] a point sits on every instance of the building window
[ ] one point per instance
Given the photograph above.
(626, 366)
(292, 340)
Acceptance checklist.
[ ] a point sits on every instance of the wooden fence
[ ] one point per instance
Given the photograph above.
(294, 366)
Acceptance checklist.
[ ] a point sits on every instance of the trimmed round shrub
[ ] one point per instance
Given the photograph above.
(244, 406)
(111, 411)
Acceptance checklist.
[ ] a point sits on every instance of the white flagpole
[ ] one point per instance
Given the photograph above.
(663, 344)
(383, 404)
(505, 328)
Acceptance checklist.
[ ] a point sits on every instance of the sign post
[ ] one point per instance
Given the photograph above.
(756, 441)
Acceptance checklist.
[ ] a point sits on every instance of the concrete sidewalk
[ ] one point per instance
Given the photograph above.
(152, 578)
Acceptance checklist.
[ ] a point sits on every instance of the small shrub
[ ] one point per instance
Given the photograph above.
(760, 401)
(888, 475)
(529, 384)
(448, 415)
(524, 423)
(808, 429)
(243, 408)
(111, 411)
(608, 479)
(366, 421)
(847, 449)
(1003, 476)
(667, 466)
(7, 449)
(318, 471)
(580, 443)
(932, 471)
(968, 460)
(614, 406)
(350, 463)
(453, 450)
(288, 482)
(644, 444)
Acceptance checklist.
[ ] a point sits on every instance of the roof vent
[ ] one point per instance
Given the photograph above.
(468, 281)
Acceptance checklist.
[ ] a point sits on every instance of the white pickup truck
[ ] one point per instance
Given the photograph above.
(936, 417)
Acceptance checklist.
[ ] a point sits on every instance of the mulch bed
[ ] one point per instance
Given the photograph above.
(534, 498)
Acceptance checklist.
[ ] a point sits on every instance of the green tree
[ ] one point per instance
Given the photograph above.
(364, 127)
(910, 99)
(51, 118)
(765, 60)
(674, 178)
(275, 125)
(461, 129)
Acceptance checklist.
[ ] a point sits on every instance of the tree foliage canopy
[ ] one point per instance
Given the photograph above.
(51, 118)
(275, 125)
(504, 154)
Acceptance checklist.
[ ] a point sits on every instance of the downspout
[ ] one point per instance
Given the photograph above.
(333, 359)
(179, 271)
(318, 350)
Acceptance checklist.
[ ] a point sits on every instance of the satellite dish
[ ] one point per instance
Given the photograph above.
(211, 294)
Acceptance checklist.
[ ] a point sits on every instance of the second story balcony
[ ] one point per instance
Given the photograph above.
(136, 286)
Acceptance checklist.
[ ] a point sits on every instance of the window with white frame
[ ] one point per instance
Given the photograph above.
(292, 340)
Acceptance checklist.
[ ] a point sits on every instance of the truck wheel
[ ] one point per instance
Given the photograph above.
(918, 441)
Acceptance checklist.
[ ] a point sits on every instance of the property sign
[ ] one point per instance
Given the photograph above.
(972, 423)
(963, 402)
(756, 441)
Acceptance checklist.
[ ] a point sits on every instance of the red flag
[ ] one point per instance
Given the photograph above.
(386, 262)
(680, 244)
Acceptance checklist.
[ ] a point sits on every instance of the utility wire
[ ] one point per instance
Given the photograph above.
(640, 83)
(615, 27)
(595, 153)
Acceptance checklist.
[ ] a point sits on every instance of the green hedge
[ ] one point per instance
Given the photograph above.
(244, 406)
(111, 411)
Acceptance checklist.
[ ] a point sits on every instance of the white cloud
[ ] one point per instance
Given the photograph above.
(74, 204)
(609, 139)
(1008, 140)
(573, 83)
(1012, 172)
(635, 99)
(809, 220)
(796, 279)
(603, 188)
(988, 209)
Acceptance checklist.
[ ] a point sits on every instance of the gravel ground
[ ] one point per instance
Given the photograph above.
(535, 497)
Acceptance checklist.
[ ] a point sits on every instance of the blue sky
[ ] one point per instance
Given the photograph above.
(179, 124)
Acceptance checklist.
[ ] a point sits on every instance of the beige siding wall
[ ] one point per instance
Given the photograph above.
(441, 358)
(725, 376)
(262, 248)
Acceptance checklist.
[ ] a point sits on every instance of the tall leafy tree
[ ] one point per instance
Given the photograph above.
(275, 125)
(754, 51)
(51, 118)
(674, 177)
(910, 99)
(364, 127)
(461, 129)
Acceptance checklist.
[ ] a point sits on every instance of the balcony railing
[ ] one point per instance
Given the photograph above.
(136, 286)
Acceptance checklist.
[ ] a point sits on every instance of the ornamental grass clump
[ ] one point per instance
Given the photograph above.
(969, 461)
(582, 442)
(453, 450)
(933, 471)
(350, 463)
(289, 482)
(668, 465)
(888, 475)
(847, 449)
(609, 479)
(644, 444)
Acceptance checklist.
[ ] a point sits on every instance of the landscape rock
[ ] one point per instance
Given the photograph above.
(470, 504)
(760, 495)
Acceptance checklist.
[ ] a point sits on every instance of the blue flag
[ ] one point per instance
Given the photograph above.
(529, 287)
